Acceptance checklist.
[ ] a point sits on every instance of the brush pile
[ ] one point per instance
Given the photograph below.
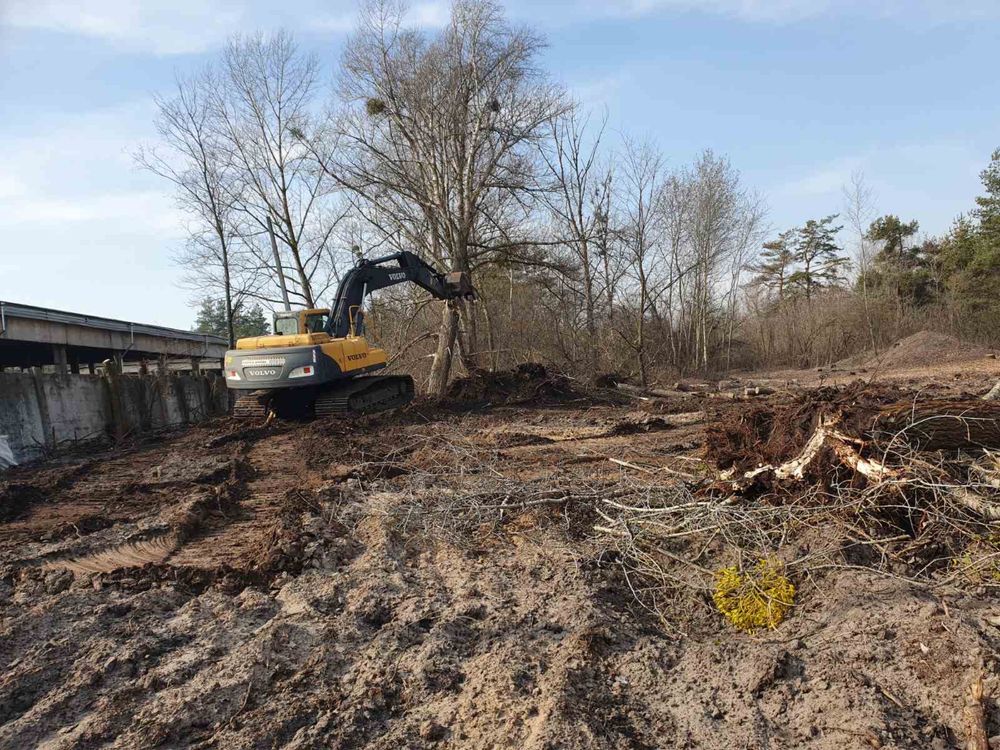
(834, 479)
(526, 384)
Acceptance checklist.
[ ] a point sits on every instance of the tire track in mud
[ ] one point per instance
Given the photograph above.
(261, 527)
(167, 529)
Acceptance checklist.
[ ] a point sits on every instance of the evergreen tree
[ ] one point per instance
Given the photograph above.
(247, 321)
(818, 256)
(988, 210)
(970, 258)
(893, 233)
(774, 267)
(905, 270)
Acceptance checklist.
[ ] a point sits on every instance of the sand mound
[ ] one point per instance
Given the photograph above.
(919, 350)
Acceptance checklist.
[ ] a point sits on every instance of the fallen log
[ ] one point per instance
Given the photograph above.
(849, 451)
(935, 425)
(650, 392)
(695, 387)
(993, 394)
(826, 436)
(975, 717)
(758, 390)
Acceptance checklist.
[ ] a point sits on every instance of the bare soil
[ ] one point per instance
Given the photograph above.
(432, 578)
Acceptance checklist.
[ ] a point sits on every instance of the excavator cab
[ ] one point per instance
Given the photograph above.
(292, 322)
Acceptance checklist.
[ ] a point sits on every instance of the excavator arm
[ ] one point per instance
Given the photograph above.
(370, 275)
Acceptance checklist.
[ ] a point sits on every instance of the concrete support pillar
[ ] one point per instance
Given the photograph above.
(60, 359)
(112, 374)
(195, 365)
(74, 362)
(91, 368)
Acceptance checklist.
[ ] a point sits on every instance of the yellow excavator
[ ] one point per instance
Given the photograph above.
(318, 362)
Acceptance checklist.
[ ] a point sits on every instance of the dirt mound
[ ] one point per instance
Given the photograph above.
(922, 349)
(526, 383)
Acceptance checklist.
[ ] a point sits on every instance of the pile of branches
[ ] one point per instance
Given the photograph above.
(906, 488)
(526, 383)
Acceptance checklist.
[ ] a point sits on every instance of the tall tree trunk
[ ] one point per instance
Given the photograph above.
(588, 292)
(441, 367)
(230, 313)
(227, 282)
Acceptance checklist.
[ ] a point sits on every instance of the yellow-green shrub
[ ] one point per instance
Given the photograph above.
(756, 598)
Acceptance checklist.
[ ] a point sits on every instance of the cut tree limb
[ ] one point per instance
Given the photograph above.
(975, 717)
(653, 392)
(848, 451)
(993, 394)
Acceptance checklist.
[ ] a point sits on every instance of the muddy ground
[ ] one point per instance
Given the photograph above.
(432, 578)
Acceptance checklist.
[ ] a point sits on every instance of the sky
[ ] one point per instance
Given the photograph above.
(798, 94)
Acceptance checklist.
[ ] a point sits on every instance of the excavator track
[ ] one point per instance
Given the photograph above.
(362, 395)
(254, 405)
(365, 395)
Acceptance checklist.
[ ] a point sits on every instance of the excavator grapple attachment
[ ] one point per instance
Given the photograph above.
(458, 284)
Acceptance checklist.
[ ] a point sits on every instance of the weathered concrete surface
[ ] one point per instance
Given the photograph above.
(43, 411)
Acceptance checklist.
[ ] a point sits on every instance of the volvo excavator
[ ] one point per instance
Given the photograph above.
(318, 362)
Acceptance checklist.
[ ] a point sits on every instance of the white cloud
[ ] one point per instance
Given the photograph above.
(598, 93)
(157, 26)
(827, 179)
(74, 201)
(897, 173)
(338, 23)
(167, 27)
(83, 170)
(10, 186)
(433, 15)
(149, 209)
(789, 11)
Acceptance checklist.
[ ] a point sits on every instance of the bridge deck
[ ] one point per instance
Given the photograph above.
(34, 336)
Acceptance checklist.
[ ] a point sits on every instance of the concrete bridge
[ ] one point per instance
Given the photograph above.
(37, 336)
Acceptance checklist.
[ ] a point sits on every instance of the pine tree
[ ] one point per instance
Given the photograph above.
(247, 322)
(894, 233)
(816, 251)
(775, 264)
(906, 270)
(988, 211)
(970, 258)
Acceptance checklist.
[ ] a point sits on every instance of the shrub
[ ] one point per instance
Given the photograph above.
(757, 598)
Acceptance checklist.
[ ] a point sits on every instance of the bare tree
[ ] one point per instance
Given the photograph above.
(639, 198)
(438, 137)
(720, 216)
(577, 201)
(675, 205)
(265, 103)
(859, 211)
(199, 165)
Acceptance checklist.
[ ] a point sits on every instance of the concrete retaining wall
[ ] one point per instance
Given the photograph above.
(40, 412)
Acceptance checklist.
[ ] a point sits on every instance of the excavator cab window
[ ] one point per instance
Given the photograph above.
(316, 322)
(286, 325)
